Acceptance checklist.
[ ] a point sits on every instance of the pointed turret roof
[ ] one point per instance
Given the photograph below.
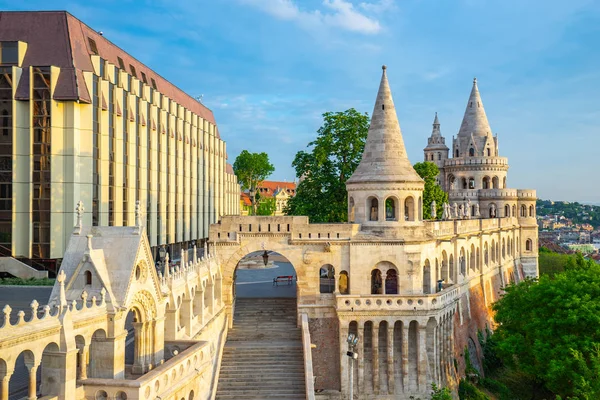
(475, 121)
(384, 158)
(436, 127)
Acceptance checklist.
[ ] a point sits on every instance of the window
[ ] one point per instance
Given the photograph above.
(133, 73)
(121, 63)
(9, 53)
(456, 153)
(439, 156)
(472, 152)
(93, 46)
(374, 209)
(528, 245)
(390, 209)
(489, 152)
(471, 183)
(153, 83)
(327, 279)
(144, 78)
(88, 278)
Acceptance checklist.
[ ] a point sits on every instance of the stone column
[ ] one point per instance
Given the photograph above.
(405, 380)
(149, 342)
(375, 340)
(344, 359)
(32, 393)
(187, 314)
(4, 385)
(199, 300)
(450, 344)
(390, 357)
(422, 351)
(138, 352)
(361, 357)
(83, 361)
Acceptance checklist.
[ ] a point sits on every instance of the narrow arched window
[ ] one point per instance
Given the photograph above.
(390, 209)
(471, 183)
(374, 210)
(528, 245)
(88, 278)
(327, 278)
(489, 152)
(456, 153)
(471, 152)
(439, 156)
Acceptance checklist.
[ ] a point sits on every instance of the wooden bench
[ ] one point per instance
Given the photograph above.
(283, 278)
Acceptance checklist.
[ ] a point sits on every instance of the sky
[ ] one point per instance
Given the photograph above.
(270, 68)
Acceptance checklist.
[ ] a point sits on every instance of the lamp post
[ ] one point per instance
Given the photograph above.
(352, 341)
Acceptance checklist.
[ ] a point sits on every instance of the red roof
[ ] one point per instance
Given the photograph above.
(57, 38)
(269, 188)
(245, 198)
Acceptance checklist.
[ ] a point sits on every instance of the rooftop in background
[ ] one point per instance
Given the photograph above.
(272, 188)
(58, 38)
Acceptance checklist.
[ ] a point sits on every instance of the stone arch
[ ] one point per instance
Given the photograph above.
(426, 277)
(451, 182)
(23, 363)
(99, 351)
(351, 207)
(495, 182)
(506, 210)
(445, 277)
(344, 283)
(80, 343)
(391, 208)
(485, 183)
(391, 281)
(409, 208)
(53, 367)
(523, 210)
(373, 207)
(528, 245)
(327, 279)
(531, 211)
(376, 281)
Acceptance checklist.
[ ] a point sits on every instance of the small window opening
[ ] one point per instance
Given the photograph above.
(278, 227)
(249, 227)
(269, 228)
(93, 46)
(144, 78)
(88, 278)
(240, 227)
(133, 73)
(121, 63)
(383, 106)
(153, 83)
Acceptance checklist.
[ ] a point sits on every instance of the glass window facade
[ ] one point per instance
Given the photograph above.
(41, 179)
(96, 152)
(6, 135)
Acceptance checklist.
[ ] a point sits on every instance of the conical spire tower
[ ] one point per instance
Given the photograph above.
(384, 158)
(385, 191)
(475, 121)
(436, 150)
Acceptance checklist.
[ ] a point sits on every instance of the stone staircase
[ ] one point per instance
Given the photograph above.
(262, 358)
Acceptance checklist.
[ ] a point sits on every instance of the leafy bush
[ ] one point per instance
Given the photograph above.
(27, 282)
(497, 388)
(468, 391)
(438, 393)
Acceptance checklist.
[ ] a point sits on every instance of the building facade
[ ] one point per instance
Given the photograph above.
(82, 119)
(415, 291)
(277, 192)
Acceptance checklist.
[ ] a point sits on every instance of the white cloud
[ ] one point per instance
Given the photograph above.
(378, 7)
(336, 13)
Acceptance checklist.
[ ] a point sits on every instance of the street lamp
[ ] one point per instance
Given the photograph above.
(352, 342)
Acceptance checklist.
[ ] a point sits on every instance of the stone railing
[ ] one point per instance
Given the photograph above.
(382, 302)
(461, 226)
(309, 379)
(527, 194)
(452, 162)
(162, 382)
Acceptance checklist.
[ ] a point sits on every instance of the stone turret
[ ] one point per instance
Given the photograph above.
(436, 150)
(385, 190)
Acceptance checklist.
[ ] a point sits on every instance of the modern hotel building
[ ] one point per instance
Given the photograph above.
(81, 119)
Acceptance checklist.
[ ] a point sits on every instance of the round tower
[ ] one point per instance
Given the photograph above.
(384, 191)
(475, 162)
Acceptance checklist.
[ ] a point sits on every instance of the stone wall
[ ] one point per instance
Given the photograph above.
(324, 333)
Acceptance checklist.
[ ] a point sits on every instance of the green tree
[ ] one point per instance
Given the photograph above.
(550, 330)
(429, 171)
(251, 169)
(266, 206)
(335, 154)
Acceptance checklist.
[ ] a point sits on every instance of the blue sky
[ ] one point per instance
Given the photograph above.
(269, 69)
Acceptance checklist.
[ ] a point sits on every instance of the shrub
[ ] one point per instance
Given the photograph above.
(468, 391)
(27, 282)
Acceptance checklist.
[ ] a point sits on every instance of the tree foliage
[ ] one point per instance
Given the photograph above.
(251, 169)
(335, 154)
(266, 206)
(429, 171)
(550, 330)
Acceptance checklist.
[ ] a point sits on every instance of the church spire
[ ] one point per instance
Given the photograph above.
(475, 121)
(384, 158)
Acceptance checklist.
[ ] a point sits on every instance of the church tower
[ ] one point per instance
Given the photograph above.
(436, 150)
(385, 191)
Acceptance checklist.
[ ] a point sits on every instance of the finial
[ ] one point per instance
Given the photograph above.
(60, 278)
(475, 81)
(138, 214)
(89, 243)
(384, 67)
(79, 210)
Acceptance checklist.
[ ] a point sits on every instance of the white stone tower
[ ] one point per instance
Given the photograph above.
(436, 150)
(475, 162)
(385, 191)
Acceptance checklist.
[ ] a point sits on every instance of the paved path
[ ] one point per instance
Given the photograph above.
(259, 282)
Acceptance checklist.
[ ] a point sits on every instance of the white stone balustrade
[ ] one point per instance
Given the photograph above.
(390, 303)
